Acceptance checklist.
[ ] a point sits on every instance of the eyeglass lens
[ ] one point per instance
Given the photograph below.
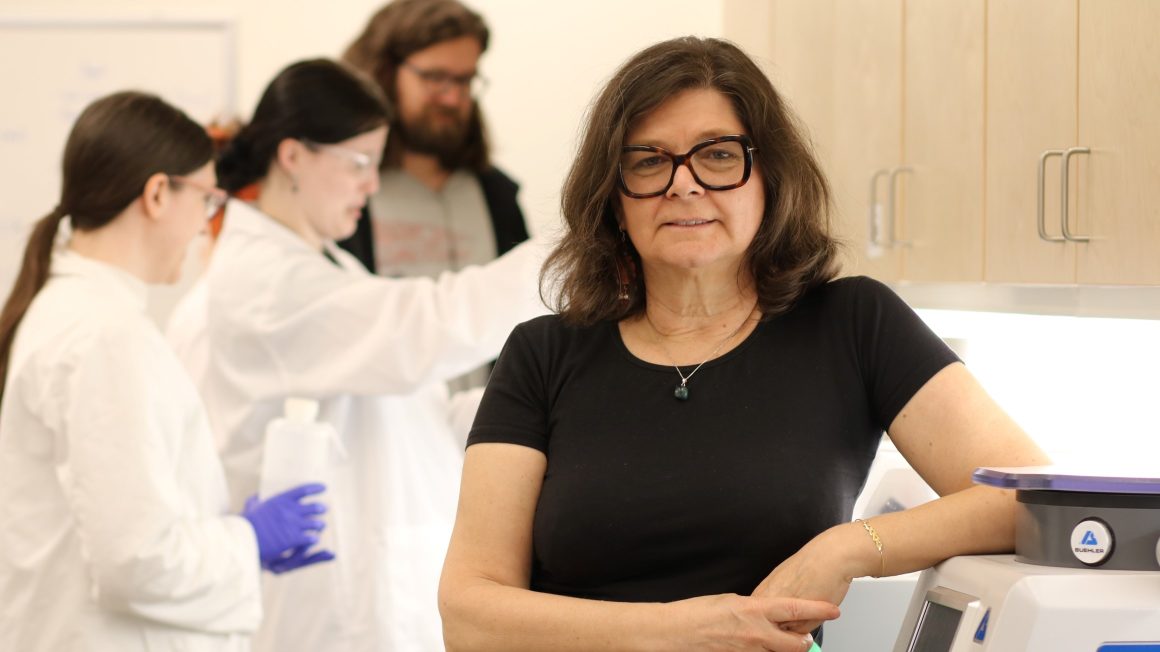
(215, 198)
(438, 81)
(714, 165)
(360, 163)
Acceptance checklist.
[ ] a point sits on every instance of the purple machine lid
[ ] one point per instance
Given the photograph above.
(1053, 478)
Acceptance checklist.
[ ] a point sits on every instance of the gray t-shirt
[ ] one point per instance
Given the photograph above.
(423, 232)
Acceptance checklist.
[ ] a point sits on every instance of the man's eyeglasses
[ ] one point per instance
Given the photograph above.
(361, 163)
(215, 198)
(721, 163)
(438, 81)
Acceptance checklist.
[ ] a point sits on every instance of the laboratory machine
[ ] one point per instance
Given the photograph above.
(1085, 576)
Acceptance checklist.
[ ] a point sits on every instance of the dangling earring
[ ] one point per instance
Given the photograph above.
(293, 185)
(625, 268)
(623, 296)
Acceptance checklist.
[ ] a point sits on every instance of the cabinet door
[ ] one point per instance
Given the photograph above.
(867, 124)
(1119, 119)
(838, 65)
(1031, 86)
(943, 140)
(801, 66)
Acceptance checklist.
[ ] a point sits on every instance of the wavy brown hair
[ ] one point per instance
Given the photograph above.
(402, 28)
(793, 249)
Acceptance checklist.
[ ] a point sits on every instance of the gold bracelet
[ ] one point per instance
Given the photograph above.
(877, 543)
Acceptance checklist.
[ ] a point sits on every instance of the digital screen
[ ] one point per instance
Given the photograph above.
(936, 628)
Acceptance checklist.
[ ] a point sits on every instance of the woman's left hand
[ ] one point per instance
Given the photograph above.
(822, 570)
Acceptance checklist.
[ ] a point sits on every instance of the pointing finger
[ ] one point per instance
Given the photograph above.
(783, 610)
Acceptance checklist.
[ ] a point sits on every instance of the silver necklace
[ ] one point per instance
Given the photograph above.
(681, 392)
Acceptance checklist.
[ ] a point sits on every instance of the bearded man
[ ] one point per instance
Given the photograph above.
(441, 204)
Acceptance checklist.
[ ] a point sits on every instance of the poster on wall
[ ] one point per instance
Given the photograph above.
(51, 67)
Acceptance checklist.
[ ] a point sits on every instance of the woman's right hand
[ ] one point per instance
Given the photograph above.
(736, 622)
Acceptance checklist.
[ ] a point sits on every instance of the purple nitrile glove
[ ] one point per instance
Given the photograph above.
(284, 523)
(298, 558)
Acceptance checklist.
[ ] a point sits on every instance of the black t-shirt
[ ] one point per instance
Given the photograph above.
(647, 498)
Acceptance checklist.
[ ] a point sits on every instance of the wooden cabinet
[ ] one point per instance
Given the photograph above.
(958, 100)
(867, 132)
(943, 138)
(1118, 188)
(1068, 75)
(1031, 51)
(877, 83)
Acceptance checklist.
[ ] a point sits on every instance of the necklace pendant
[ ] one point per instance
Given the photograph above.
(681, 393)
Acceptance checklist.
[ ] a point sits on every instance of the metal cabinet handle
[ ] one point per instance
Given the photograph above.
(873, 205)
(1039, 220)
(890, 205)
(1063, 166)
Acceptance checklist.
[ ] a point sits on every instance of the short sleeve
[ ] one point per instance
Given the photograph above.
(514, 408)
(897, 352)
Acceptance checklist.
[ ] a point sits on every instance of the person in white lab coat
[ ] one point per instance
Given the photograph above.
(115, 530)
(291, 314)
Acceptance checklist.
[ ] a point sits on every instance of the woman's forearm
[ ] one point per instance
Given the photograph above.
(480, 615)
(977, 520)
(483, 615)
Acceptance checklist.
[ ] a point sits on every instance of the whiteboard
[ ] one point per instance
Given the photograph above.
(51, 67)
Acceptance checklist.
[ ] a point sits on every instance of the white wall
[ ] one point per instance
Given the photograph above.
(546, 61)
(1084, 388)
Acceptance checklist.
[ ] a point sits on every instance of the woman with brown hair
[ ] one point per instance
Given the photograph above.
(671, 462)
(116, 534)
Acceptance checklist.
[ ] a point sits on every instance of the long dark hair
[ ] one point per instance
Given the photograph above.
(317, 99)
(792, 251)
(402, 28)
(117, 143)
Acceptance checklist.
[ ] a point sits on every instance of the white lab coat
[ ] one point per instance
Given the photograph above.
(285, 321)
(114, 532)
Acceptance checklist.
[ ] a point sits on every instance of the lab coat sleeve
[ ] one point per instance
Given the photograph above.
(332, 331)
(149, 502)
(464, 405)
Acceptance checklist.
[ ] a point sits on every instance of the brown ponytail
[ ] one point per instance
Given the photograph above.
(33, 275)
(117, 143)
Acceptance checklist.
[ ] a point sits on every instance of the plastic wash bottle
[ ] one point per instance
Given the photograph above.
(299, 449)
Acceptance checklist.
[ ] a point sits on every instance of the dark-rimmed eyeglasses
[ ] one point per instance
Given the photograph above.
(438, 81)
(215, 198)
(721, 163)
